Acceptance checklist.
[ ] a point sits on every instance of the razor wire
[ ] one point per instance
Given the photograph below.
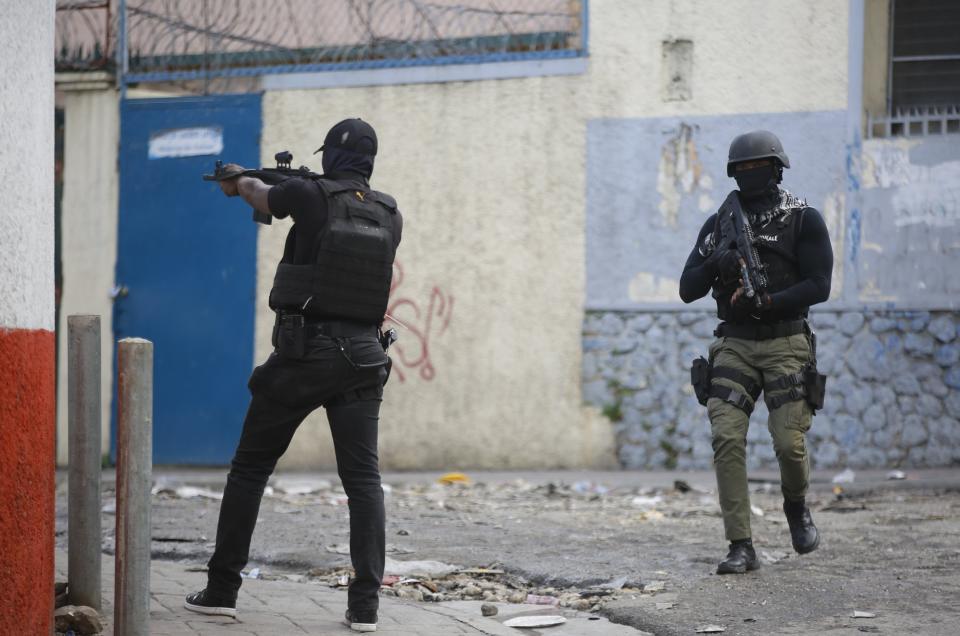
(196, 39)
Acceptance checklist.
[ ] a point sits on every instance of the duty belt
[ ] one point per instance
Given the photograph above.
(331, 328)
(760, 331)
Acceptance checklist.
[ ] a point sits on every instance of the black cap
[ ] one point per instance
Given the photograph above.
(354, 135)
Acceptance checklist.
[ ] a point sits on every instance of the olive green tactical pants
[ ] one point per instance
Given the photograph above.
(763, 361)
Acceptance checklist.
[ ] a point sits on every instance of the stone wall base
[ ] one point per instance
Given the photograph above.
(893, 392)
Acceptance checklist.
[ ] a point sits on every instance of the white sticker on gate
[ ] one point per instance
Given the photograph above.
(186, 142)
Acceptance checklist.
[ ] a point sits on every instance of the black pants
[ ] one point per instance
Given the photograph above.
(284, 393)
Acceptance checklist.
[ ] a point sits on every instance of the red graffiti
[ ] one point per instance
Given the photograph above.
(417, 328)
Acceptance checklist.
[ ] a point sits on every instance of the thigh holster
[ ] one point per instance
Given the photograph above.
(807, 384)
(743, 400)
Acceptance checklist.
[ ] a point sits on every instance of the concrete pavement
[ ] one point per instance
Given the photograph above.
(282, 608)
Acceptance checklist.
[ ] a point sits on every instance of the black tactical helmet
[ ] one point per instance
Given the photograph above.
(758, 144)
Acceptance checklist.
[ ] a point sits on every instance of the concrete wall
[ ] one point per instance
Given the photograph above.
(892, 210)
(89, 226)
(27, 419)
(493, 178)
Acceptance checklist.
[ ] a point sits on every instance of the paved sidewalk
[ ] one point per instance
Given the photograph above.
(282, 608)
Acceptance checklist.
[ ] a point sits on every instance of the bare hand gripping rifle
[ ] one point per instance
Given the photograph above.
(270, 176)
(733, 223)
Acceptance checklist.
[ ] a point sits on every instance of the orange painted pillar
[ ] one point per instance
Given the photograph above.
(27, 417)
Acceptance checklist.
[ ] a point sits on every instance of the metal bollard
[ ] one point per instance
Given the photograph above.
(83, 417)
(131, 615)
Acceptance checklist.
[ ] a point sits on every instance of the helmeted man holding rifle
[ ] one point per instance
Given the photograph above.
(767, 257)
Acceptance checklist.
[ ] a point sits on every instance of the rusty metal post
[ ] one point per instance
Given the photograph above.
(83, 417)
(131, 615)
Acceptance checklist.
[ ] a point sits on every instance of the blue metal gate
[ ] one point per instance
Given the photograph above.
(186, 267)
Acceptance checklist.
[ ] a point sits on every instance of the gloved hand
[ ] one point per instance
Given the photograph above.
(725, 263)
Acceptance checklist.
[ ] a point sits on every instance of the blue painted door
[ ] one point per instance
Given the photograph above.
(186, 267)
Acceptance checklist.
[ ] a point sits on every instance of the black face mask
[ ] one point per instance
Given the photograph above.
(756, 181)
(337, 160)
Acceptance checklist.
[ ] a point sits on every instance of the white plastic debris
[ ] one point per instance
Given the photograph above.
(895, 475)
(710, 629)
(845, 477)
(773, 556)
(535, 621)
(252, 574)
(414, 568)
(757, 510)
(644, 501)
(859, 614)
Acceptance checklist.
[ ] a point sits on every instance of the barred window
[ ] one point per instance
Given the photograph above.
(925, 54)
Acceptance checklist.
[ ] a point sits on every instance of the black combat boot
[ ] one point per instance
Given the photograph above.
(804, 534)
(741, 558)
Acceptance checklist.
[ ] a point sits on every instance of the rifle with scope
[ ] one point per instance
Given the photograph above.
(270, 176)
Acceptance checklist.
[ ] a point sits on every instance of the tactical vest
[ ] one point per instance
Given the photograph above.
(776, 243)
(352, 267)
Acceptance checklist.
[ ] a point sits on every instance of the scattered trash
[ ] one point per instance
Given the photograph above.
(454, 478)
(757, 510)
(343, 580)
(301, 486)
(184, 492)
(615, 584)
(539, 599)
(110, 507)
(403, 533)
(589, 488)
(859, 614)
(750, 620)
(681, 486)
(710, 629)
(535, 621)
(488, 609)
(339, 548)
(645, 501)
(654, 586)
(59, 594)
(773, 556)
(252, 574)
(480, 571)
(80, 619)
(871, 629)
(425, 569)
(845, 477)
(896, 475)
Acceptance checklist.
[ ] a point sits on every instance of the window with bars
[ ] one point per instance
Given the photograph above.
(923, 73)
(925, 54)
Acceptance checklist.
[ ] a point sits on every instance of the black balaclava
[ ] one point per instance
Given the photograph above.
(338, 160)
(758, 186)
(350, 146)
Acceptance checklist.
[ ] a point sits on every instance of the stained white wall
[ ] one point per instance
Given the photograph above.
(492, 177)
(26, 166)
(88, 227)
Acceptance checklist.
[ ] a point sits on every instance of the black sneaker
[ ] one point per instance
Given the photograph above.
(361, 621)
(203, 602)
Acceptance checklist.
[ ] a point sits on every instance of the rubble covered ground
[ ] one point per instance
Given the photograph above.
(637, 548)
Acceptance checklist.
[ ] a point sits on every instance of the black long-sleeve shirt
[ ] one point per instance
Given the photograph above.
(814, 265)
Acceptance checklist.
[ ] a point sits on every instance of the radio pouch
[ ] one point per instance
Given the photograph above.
(700, 379)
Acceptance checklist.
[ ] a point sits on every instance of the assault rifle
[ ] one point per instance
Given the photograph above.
(733, 223)
(270, 176)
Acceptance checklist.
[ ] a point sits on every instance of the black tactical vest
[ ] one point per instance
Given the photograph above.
(776, 243)
(353, 260)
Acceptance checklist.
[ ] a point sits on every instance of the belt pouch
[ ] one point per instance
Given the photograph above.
(290, 336)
